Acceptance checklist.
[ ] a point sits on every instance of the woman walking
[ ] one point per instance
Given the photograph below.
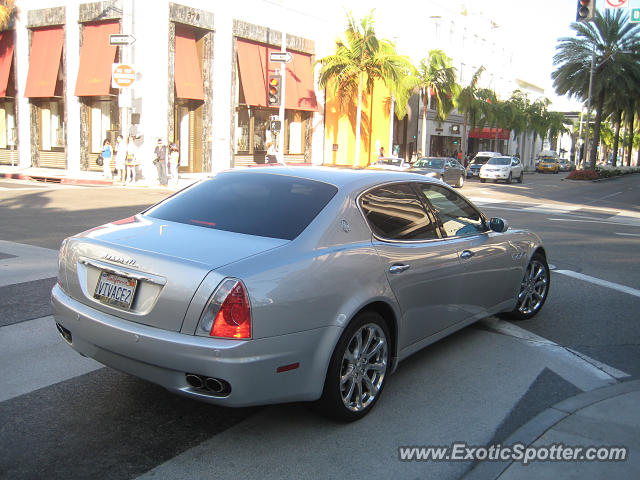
(121, 157)
(131, 161)
(106, 159)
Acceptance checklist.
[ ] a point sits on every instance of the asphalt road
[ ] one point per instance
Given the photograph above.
(65, 416)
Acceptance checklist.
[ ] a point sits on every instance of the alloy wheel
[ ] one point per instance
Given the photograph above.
(534, 288)
(363, 367)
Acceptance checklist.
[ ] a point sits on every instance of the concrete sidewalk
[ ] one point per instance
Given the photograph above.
(54, 175)
(606, 417)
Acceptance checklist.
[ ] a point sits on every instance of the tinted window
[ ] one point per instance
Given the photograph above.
(265, 205)
(500, 161)
(394, 212)
(457, 216)
(429, 163)
(480, 160)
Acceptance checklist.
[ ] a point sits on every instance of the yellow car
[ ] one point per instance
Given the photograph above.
(548, 165)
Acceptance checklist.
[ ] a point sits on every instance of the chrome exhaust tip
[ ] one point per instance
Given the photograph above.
(214, 385)
(194, 380)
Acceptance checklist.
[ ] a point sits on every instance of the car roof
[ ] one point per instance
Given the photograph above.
(343, 178)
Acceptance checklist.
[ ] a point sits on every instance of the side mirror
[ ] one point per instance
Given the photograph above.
(499, 225)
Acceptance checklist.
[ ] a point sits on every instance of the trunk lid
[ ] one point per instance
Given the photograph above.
(164, 263)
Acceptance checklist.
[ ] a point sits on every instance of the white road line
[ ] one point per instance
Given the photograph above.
(28, 263)
(577, 368)
(628, 234)
(631, 222)
(602, 283)
(602, 198)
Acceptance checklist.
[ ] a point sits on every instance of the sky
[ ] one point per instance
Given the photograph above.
(532, 28)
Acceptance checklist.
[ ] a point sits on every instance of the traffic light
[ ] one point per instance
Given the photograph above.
(273, 90)
(586, 10)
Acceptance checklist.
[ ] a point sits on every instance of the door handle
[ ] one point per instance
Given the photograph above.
(467, 254)
(398, 268)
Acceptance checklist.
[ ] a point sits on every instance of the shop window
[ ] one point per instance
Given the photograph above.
(252, 129)
(52, 125)
(7, 125)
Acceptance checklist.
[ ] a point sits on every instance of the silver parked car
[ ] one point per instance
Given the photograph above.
(502, 168)
(445, 169)
(280, 284)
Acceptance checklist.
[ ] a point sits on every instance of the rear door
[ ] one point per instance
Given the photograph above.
(421, 267)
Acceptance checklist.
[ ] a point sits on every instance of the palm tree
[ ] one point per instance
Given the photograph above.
(467, 105)
(7, 9)
(360, 60)
(435, 78)
(613, 43)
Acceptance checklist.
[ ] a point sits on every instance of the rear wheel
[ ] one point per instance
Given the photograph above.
(358, 368)
(482, 180)
(521, 177)
(534, 289)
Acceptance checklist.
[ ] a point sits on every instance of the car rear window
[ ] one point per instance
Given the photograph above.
(266, 205)
(480, 160)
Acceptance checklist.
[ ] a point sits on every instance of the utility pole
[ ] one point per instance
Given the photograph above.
(283, 74)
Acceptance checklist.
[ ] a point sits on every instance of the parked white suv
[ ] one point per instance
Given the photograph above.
(502, 168)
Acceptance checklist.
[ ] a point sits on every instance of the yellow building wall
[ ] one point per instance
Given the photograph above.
(340, 128)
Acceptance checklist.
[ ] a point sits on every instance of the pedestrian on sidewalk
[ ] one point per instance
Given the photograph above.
(121, 157)
(131, 161)
(174, 159)
(160, 161)
(106, 159)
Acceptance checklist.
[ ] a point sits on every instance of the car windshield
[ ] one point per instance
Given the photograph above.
(480, 160)
(390, 161)
(500, 161)
(547, 159)
(429, 163)
(266, 205)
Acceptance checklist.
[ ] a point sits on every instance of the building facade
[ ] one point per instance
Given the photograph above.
(193, 74)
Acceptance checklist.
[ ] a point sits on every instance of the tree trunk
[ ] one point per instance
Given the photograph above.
(616, 140)
(596, 134)
(630, 138)
(465, 137)
(358, 122)
(424, 126)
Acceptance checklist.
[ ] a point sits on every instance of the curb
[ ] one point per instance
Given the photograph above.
(50, 179)
(547, 419)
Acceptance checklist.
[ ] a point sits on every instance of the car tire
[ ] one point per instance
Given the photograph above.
(482, 180)
(521, 177)
(534, 289)
(509, 179)
(460, 182)
(355, 378)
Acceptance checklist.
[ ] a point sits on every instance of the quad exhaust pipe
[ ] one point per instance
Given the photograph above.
(210, 385)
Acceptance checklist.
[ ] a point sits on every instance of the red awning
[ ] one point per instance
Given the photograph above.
(252, 62)
(188, 75)
(490, 133)
(6, 57)
(44, 62)
(96, 57)
(255, 68)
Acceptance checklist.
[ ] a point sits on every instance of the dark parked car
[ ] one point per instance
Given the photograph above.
(445, 169)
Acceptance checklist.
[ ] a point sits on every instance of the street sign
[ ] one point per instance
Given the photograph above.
(122, 76)
(616, 3)
(635, 15)
(285, 57)
(121, 39)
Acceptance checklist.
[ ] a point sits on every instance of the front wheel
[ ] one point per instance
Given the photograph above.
(521, 177)
(460, 181)
(534, 288)
(358, 368)
(510, 179)
(482, 180)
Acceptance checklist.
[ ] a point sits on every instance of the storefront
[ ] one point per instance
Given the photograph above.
(191, 46)
(446, 141)
(98, 101)
(253, 115)
(488, 140)
(45, 89)
(8, 131)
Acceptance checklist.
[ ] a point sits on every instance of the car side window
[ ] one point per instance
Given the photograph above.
(395, 212)
(457, 216)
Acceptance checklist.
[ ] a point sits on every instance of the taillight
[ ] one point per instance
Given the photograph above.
(228, 312)
(62, 271)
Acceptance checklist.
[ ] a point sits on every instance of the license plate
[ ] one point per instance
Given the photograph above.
(115, 290)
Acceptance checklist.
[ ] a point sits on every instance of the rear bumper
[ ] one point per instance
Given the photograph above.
(165, 357)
